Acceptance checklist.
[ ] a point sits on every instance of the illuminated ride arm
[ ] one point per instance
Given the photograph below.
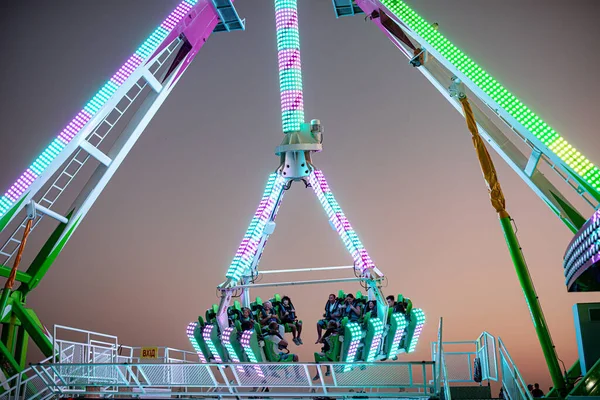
(142, 84)
(97, 137)
(504, 122)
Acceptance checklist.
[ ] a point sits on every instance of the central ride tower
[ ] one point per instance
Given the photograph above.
(220, 336)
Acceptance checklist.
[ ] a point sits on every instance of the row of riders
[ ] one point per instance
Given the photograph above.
(271, 319)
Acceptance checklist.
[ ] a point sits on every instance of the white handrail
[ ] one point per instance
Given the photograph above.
(512, 381)
(375, 379)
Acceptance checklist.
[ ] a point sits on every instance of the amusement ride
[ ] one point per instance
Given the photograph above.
(230, 334)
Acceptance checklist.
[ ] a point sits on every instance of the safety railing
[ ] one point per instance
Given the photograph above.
(512, 381)
(486, 352)
(78, 346)
(440, 365)
(459, 364)
(436, 355)
(459, 358)
(285, 380)
(82, 346)
(26, 385)
(447, 392)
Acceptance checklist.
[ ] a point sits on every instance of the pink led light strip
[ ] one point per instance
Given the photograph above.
(337, 217)
(94, 105)
(266, 210)
(173, 19)
(245, 341)
(190, 334)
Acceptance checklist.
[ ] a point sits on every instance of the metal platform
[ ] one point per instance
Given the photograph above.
(297, 380)
(92, 364)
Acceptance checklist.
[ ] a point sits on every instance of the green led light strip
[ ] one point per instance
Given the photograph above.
(519, 111)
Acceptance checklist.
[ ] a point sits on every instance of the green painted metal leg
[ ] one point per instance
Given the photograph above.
(21, 347)
(4, 300)
(535, 309)
(34, 328)
(572, 375)
(11, 328)
(8, 364)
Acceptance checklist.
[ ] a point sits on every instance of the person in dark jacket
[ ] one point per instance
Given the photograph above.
(332, 313)
(537, 392)
(288, 316)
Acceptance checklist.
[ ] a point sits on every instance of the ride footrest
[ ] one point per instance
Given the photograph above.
(396, 332)
(413, 331)
(353, 335)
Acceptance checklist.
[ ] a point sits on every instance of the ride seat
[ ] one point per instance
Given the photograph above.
(256, 306)
(234, 312)
(274, 357)
(335, 349)
(211, 314)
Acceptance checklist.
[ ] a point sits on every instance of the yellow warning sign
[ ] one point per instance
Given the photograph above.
(149, 352)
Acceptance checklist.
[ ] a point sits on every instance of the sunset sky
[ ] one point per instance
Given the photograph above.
(399, 159)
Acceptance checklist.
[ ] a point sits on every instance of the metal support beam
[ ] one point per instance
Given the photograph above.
(439, 72)
(280, 271)
(94, 152)
(497, 139)
(276, 284)
(533, 302)
(435, 48)
(50, 213)
(32, 325)
(532, 163)
(84, 133)
(22, 277)
(152, 81)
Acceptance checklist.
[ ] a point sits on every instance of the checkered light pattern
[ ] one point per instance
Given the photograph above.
(420, 315)
(206, 334)
(519, 111)
(226, 339)
(245, 341)
(190, 334)
(401, 324)
(361, 258)
(355, 338)
(290, 66)
(42, 162)
(247, 250)
(377, 327)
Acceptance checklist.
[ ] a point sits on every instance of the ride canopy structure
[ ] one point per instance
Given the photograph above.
(99, 137)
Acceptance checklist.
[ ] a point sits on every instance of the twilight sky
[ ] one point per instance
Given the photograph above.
(398, 157)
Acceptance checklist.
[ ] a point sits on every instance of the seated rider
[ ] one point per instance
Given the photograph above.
(372, 307)
(246, 315)
(332, 327)
(268, 315)
(351, 309)
(288, 316)
(401, 306)
(247, 325)
(279, 344)
(332, 313)
(391, 301)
